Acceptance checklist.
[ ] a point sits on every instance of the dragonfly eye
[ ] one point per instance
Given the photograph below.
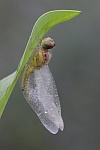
(48, 43)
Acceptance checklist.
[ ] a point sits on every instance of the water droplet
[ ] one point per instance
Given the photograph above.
(46, 111)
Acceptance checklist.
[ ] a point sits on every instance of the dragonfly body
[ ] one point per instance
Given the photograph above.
(39, 89)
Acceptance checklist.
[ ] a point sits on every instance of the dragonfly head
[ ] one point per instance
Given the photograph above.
(47, 43)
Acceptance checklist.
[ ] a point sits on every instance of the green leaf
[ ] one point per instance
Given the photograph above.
(41, 27)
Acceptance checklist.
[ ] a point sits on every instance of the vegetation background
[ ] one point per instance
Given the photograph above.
(75, 66)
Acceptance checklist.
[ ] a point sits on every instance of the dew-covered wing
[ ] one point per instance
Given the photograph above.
(42, 96)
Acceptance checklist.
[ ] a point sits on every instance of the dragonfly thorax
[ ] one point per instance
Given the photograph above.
(41, 58)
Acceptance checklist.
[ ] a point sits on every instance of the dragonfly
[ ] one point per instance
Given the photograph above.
(39, 88)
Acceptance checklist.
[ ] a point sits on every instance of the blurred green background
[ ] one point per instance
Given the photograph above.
(75, 66)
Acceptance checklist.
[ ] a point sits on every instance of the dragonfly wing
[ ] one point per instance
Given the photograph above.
(50, 86)
(42, 96)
